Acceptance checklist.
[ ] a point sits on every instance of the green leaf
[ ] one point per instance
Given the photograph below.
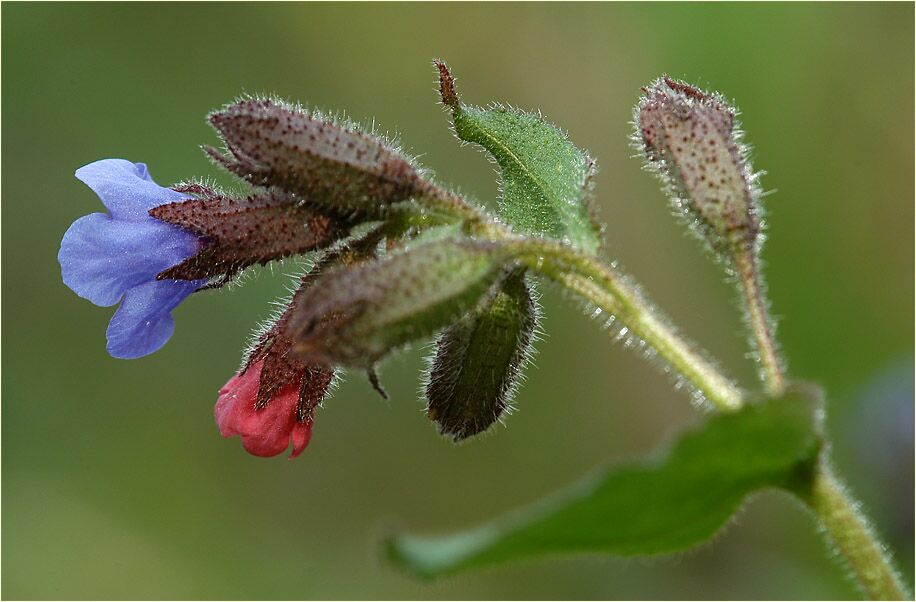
(544, 179)
(671, 503)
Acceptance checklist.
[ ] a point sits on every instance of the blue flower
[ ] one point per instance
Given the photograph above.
(115, 256)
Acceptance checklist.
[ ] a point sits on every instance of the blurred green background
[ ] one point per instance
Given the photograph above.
(116, 483)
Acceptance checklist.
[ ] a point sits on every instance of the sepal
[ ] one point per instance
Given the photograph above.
(240, 232)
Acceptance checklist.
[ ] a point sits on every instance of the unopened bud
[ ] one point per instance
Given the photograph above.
(356, 315)
(478, 361)
(691, 138)
(326, 162)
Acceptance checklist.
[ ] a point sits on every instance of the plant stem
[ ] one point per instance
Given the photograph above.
(835, 509)
(614, 293)
(853, 538)
(771, 367)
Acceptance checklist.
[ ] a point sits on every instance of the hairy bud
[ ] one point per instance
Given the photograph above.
(281, 366)
(478, 361)
(356, 315)
(238, 233)
(326, 162)
(691, 138)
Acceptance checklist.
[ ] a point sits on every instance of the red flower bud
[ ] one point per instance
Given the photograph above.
(266, 431)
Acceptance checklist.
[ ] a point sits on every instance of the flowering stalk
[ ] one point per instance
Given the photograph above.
(450, 268)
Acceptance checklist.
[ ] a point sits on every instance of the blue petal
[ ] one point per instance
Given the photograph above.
(144, 321)
(142, 170)
(101, 258)
(126, 188)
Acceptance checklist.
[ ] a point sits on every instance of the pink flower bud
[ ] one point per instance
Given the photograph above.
(266, 431)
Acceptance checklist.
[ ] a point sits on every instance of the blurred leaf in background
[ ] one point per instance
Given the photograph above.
(116, 483)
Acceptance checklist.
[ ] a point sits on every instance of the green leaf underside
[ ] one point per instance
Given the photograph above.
(543, 176)
(652, 507)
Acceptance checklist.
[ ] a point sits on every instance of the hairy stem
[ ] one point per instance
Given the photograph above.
(835, 509)
(613, 293)
(854, 539)
(771, 367)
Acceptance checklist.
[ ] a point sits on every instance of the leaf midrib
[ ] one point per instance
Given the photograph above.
(538, 182)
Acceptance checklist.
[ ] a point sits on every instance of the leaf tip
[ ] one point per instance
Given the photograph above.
(392, 552)
(447, 92)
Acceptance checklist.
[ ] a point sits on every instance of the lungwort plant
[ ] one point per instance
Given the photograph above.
(399, 258)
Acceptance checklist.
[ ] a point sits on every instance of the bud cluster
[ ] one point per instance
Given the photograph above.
(398, 257)
(396, 266)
